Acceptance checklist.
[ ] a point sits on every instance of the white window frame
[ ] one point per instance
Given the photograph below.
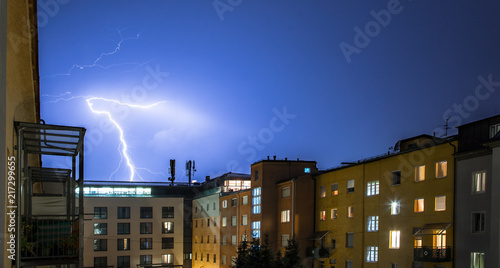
(394, 239)
(437, 203)
(372, 224)
(441, 165)
(395, 208)
(372, 188)
(479, 182)
(285, 216)
(334, 213)
(372, 254)
(419, 173)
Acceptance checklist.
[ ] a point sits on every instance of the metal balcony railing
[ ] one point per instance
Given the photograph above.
(432, 254)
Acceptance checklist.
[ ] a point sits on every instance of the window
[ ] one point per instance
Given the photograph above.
(284, 240)
(146, 243)
(419, 173)
(208, 257)
(233, 260)
(322, 215)
(123, 228)
(100, 212)
(256, 192)
(285, 192)
(123, 261)
(244, 237)
(479, 182)
(350, 211)
(100, 228)
(223, 260)
(215, 258)
(478, 222)
(244, 220)
(372, 188)
(100, 244)
(335, 189)
(201, 239)
(440, 203)
(371, 254)
(256, 229)
(395, 208)
(224, 221)
(334, 243)
(201, 256)
(439, 239)
(215, 222)
(208, 222)
(233, 202)
(396, 177)
(146, 259)
(146, 212)
(244, 200)
(167, 212)
(167, 243)
(214, 205)
(350, 186)
(233, 240)
(349, 240)
(215, 239)
(256, 175)
(167, 258)
(441, 169)
(224, 203)
(348, 264)
(477, 260)
(307, 170)
(394, 238)
(208, 207)
(233, 220)
(334, 213)
(224, 240)
(123, 212)
(419, 205)
(146, 228)
(494, 129)
(322, 191)
(100, 262)
(201, 222)
(418, 242)
(394, 265)
(372, 224)
(285, 215)
(123, 244)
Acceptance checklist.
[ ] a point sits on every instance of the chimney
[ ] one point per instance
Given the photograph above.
(268, 157)
(207, 178)
(286, 158)
(274, 157)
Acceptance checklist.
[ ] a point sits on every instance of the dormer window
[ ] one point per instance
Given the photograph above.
(494, 129)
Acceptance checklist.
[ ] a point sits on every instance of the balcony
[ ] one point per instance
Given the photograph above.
(315, 252)
(432, 254)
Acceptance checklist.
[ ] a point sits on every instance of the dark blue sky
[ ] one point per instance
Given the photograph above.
(238, 80)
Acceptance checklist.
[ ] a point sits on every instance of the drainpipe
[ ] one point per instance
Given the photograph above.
(314, 213)
(18, 195)
(454, 200)
(293, 207)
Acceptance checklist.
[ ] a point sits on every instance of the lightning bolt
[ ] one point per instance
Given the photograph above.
(123, 147)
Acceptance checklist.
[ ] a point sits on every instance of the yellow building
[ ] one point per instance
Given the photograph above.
(394, 210)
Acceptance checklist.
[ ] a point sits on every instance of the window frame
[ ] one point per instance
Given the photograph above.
(445, 170)
(482, 186)
(419, 172)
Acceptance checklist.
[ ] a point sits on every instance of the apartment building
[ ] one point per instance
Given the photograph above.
(477, 188)
(393, 210)
(130, 224)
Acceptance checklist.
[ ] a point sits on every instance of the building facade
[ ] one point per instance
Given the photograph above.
(395, 210)
(477, 188)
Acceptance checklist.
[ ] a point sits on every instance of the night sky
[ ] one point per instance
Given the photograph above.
(228, 82)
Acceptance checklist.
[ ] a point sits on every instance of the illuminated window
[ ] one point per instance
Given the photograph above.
(123, 261)
(350, 186)
(335, 189)
(420, 173)
(396, 178)
(477, 260)
(146, 243)
(322, 215)
(244, 200)
(146, 212)
(440, 203)
(394, 239)
(371, 254)
(224, 203)
(244, 238)
(419, 205)
(372, 188)
(223, 260)
(244, 219)
(350, 211)
(285, 215)
(256, 192)
(167, 243)
(167, 227)
(146, 227)
(395, 208)
(494, 129)
(418, 242)
(285, 192)
(334, 213)
(322, 191)
(100, 212)
(284, 240)
(167, 258)
(100, 244)
(123, 244)
(123, 212)
(307, 170)
(479, 182)
(100, 228)
(224, 221)
(372, 224)
(441, 169)
(256, 229)
(478, 222)
(123, 228)
(439, 239)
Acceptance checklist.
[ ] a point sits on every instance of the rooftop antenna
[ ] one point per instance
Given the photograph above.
(172, 172)
(190, 169)
(446, 127)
